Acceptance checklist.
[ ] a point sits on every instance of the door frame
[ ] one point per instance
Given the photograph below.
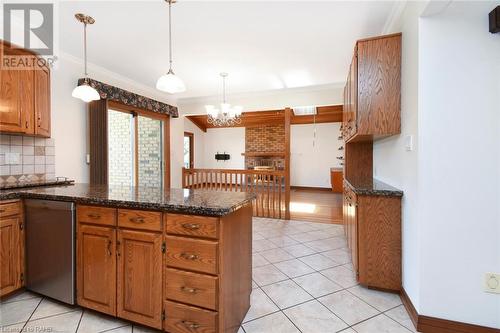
(166, 136)
(190, 135)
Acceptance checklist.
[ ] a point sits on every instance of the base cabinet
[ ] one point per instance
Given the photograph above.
(96, 268)
(11, 247)
(140, 277)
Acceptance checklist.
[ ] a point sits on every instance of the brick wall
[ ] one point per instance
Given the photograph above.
(269, 138)
(150, 152)
(120, 148)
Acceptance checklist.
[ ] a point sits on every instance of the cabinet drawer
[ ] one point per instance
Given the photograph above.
(192, 254)
(10, 209)
(96, 215)
(187, 319)
(189, 225)
(191, 288)
(139, 219)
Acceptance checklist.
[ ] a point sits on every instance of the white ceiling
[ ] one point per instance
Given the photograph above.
(262, 45)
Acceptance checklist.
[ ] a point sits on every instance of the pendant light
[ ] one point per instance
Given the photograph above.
(84, 91)
(227, 115)
(170, 82)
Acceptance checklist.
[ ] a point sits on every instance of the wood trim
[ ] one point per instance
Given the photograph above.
(427, 324)
(98, 136)
(191, 148)
(166, 152)
(311, 188)
(288, 115)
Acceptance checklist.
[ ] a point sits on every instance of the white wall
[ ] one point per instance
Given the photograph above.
(69, 117)
(229, 140)
(398, 167)
(310, 165)
(459, 136)
(199, 142)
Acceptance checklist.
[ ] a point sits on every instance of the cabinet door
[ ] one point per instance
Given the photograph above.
(96, 268)
(42, 102)
(354, 234)
(12, 119)
(10, 254)
(139, 293)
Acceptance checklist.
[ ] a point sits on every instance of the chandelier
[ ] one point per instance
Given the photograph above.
(227, 115)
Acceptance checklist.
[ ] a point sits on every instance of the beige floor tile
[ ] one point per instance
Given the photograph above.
(258, 260)
(304, 237)
(49, 308)
(16, 328)
(348, 307)
(276, 255)
(380, 324)
(317, 284)
(400, 315)
(293, 268)
(144, 329)
(313, 317)
(318, 261)
(286, 293)
(380, 300)
(124, 329)
(95, 322)
(327, 244)
(283, 241)
(262, 245)
(260, 305)
(17, 312)
(267, 274)
(339, 256)
(341, 276)
(63, 323)
(299, 250)
(20, 296)
(275, 323)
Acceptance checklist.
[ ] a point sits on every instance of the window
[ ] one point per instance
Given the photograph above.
(136, 147)
(188, 150)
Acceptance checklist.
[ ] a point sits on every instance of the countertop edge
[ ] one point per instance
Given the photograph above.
(389, 192)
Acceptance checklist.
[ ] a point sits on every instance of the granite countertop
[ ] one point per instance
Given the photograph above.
(31, 183)
(376, 187)
(186, 201)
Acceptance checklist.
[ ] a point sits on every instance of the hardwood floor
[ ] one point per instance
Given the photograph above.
(316, 205)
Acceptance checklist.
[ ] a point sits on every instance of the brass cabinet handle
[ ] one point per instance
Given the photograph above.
(136, 219)
(94, 216)
(191, 226)
(190, 324)
(109, 247)
(27, 124)
(189, 256)
(189, 290)
(118, 248)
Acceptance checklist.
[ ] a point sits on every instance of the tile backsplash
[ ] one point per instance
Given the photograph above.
(24, 158)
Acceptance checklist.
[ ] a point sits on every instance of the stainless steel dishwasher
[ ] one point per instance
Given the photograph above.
(50, 249)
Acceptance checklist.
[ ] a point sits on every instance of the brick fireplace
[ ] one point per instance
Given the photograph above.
(265, 145)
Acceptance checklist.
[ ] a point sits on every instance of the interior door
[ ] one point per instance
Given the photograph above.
(10, 255)
(96, 268)
(139, 293)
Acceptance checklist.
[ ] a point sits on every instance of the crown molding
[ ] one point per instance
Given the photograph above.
(391, 24)
(263, 93)
(101, 73)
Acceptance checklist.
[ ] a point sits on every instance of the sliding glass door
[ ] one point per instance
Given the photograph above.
(135, 149)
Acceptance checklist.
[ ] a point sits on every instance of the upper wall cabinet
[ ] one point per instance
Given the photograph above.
(24, 96)
(372, 95)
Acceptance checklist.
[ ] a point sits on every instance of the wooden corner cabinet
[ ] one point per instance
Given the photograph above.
(372, 95)
(179, 273)
(11, 247)
(25, 94)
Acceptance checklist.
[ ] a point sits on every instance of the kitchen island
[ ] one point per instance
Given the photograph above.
(177, 259)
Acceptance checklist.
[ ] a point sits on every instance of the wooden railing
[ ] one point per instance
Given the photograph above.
(270, 187)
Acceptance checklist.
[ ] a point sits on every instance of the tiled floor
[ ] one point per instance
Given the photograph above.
(303, 282)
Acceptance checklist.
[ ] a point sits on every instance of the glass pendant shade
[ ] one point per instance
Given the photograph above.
(226, 115)
(86, 93)
(170, 83)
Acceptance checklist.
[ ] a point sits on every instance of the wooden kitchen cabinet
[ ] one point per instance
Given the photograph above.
(96, 268)
(372, 95)
(11, 247)
(25, 96)
(139, 277)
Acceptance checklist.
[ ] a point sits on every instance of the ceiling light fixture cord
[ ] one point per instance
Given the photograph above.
(170, 33)
(223, 88)
(85, 47)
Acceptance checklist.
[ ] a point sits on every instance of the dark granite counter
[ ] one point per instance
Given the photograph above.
(25, 184)
(376, 187)
(195, 202)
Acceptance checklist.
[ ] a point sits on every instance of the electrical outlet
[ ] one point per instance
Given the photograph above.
(12, 158)
(492, 283)
(409, 143)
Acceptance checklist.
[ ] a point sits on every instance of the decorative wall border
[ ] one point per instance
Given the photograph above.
(129, 98)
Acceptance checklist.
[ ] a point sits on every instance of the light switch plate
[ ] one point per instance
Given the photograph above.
(12, 158)
(409, 143)
(492, 283)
